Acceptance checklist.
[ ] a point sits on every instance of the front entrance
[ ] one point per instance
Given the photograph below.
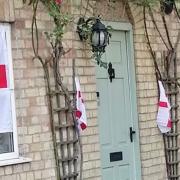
(117, 112)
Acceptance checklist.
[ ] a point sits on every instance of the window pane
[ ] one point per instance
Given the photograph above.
(6, 143)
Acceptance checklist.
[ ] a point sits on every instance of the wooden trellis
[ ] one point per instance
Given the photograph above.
(170, 80)
(61, 101)
(65, 134)
(66, 139)
(167, 73)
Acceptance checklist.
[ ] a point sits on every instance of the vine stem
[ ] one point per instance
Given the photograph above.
(86, 8)
(178, 15)
(34, 25)
(158, 73)
(81, 7)
(76, 127)
(174, 51)
(57, 53)
(155, 24)
(158, 76)
(47, 80)
(167, 31)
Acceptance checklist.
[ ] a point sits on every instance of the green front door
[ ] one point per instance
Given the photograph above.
(117, 113)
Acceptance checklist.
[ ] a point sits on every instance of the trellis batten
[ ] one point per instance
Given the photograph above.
(171, 139)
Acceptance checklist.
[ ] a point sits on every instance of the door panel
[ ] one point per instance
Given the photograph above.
(115, 113)
(123, 172)
(116, 54)
(108, 173)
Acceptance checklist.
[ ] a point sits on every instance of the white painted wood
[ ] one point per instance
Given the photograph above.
(20, 160)
(14, 154)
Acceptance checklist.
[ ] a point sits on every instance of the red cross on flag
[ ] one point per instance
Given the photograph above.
(163, 117)
(3, 77)
(5, 92)
(80, 107)
(3, 59)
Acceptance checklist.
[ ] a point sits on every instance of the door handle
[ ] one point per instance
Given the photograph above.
(131, 132)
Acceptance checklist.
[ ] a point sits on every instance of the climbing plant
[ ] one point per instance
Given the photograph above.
(57, 91)
(60, 19)
(167, 73)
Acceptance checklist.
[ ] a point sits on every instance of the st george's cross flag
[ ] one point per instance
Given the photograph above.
(5, 92)
(163, 117)
(80, 107)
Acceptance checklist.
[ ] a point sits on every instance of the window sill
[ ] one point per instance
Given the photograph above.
(20, 160)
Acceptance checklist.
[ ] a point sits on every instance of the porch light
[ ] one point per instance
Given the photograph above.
(98, 35)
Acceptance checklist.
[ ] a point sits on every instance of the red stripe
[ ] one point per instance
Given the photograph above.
(83, 126)
(3, 78)
(163, 104)
(169, 123)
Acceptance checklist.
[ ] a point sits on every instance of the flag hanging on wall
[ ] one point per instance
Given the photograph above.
(163, 117)
(80, 107)
(5, 92)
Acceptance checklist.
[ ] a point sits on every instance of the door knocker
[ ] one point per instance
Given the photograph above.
(111, 72)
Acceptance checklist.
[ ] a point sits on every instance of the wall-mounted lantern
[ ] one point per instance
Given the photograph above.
(98, 35)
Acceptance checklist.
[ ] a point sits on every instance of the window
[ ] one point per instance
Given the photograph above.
(8, 130)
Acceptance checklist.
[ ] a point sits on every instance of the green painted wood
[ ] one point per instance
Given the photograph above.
(116, 112)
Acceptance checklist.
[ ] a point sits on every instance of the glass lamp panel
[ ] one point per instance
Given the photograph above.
(95, 38)
(106, 39)
(102, 38)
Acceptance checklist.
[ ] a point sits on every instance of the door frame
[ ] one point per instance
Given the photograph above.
(127, 28)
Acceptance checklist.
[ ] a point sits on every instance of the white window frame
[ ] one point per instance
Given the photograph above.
(15, 154)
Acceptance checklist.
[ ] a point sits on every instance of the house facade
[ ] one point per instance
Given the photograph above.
(122, 140)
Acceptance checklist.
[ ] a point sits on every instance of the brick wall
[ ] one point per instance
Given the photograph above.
(34, 133)
(7, 11)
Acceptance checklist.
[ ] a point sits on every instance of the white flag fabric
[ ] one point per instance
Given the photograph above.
(80, 107)
(5, 112)
(163, 116)
(3, 47)
(5, 92)
(4, 65)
